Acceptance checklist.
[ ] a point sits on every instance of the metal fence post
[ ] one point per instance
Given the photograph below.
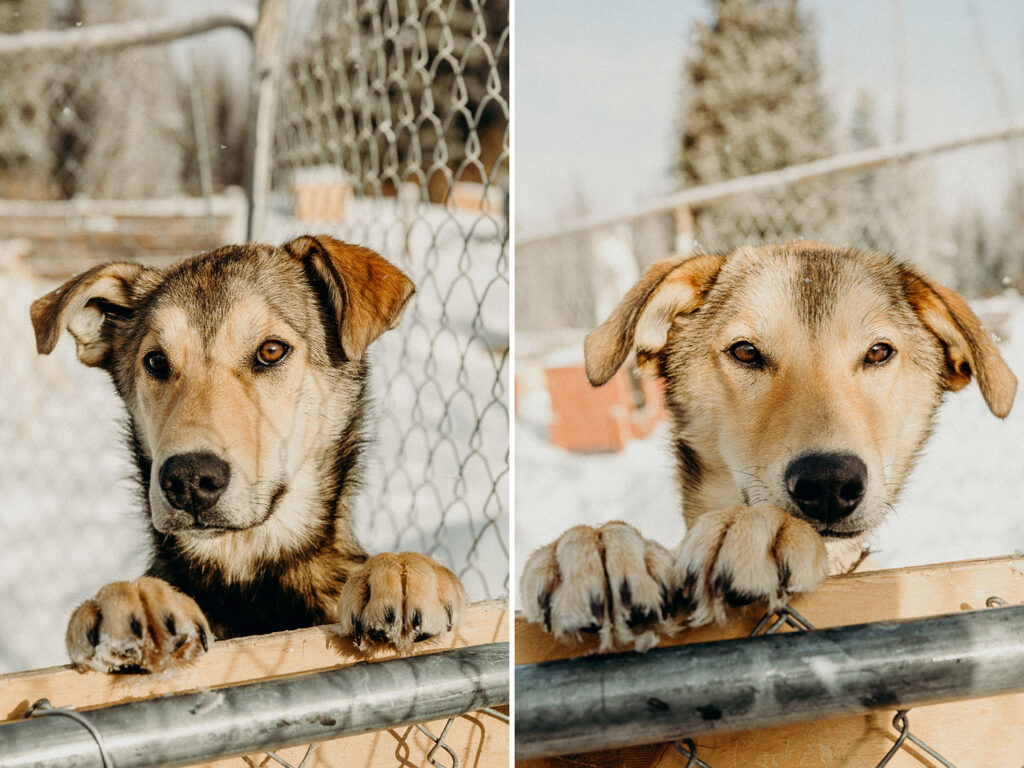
(267, 45)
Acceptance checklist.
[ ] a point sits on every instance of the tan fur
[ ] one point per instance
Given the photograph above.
(75, 306)
(148, 625)
(567, 586)
(373, 293)
(768, 553)
(813, 312)
(280, 431)
(969, 348)
(399, 597)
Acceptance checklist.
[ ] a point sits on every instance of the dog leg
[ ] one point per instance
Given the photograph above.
(734, 557)
(607, 581)
(137, 626)
(399, 599)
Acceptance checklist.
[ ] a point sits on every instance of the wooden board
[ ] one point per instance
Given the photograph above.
(478, 739)
(984, 732)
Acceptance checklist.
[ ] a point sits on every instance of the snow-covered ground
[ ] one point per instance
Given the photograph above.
(436, 479)
(965, 498)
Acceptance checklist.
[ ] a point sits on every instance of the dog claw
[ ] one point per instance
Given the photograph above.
(430, 596)
(743, 555)
(607, 581)
(110, 633)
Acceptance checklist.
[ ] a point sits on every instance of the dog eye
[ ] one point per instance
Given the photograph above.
(156, 365)
(879, 353)
(272, 352)
(746, 353)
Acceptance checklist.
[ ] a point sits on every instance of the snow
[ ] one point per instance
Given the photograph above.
(965, 498)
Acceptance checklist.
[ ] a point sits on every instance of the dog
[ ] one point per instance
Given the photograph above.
(801, 381)
(244, 375)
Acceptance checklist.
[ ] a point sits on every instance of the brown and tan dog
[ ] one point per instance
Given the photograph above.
(801, 381)
(244, 375)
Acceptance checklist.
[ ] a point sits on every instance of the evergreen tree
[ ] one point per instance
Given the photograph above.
(863, 190)
(893, 208)
(1009, 248)
(753, 104)
(977, 262)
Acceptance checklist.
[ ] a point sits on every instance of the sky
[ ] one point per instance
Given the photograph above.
(597, 90)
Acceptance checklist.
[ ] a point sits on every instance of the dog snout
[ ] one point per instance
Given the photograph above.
(827, 487)
(193, 482)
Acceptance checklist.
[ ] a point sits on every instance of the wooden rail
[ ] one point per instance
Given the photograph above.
(984, 732)
(478, 739)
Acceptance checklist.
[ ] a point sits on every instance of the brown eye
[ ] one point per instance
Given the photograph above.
(879, 353)
(156, 365)
(746, 353)
(272, 352)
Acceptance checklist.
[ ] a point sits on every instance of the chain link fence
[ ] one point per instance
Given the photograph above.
(132, 141)
(392, 131)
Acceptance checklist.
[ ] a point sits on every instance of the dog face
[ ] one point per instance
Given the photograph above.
(799, 376)
(240, 369)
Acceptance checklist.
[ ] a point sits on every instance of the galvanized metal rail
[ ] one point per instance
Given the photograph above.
(189, 728)
(619, 700)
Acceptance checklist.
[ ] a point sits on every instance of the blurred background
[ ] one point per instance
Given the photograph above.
(203, 123)
(888, 124)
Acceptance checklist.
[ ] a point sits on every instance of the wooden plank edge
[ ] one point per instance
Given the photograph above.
(856, 598)
(232, 662)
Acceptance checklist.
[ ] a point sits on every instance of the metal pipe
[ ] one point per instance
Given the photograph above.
(618, 700)
(794, 174)
(188, 728)
(124, 34)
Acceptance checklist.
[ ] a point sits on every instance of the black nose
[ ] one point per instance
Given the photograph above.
(194, 481)
(827, 486)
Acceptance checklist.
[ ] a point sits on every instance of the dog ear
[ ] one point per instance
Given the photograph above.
(668, 288)
(367, 292)
(87, 305)
(969, 349)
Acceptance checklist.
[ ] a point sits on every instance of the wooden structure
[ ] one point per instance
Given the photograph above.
(66, 236)
(967, 733)
(478, 739)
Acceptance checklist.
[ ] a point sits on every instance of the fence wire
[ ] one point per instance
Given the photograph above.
(569, 281)
(393, 132)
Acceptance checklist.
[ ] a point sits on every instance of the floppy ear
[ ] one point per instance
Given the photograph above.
(668, 288)
(366, 291)
(969, 349)
(87, 305)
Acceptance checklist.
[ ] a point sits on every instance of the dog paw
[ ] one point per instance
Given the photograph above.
(734, 557)
(137, 626)
(399, 600)
(607, 581)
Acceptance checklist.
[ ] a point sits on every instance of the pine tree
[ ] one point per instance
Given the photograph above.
(1009, 249)
(754, 104)
(891, 208)
(977, 260)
